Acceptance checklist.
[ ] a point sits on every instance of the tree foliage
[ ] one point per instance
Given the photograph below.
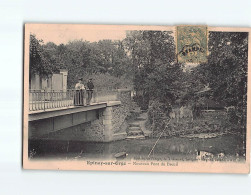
(156, 70)
(149, 58)
(226, 70)
(80, 58)
(39, 63)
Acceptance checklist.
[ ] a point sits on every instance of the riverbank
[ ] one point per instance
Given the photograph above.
(210, 121)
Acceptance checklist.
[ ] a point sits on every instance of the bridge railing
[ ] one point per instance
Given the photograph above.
(44, 100)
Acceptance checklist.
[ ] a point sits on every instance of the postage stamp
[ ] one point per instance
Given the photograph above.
(191, 44)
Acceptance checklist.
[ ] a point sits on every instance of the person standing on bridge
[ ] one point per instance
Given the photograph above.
(79, 95)
(90, 89)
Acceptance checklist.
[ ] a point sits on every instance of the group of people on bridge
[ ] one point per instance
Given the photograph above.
(83, 94)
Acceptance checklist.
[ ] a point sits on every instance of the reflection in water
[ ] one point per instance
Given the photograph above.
(224, 147)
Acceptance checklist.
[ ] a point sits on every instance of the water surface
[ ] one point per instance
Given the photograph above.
(174, 148)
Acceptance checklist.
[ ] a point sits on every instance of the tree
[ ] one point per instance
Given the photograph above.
(39, 64)
(82, 58)
(53, 57)
(156, 70)
(226, 70)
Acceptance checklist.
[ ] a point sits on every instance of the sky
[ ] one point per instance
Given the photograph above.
(65, 33)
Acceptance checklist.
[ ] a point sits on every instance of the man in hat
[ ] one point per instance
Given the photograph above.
(90, 89)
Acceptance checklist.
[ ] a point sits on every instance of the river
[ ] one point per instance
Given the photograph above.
(229, 147)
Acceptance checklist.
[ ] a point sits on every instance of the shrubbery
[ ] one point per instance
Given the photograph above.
(158, 116)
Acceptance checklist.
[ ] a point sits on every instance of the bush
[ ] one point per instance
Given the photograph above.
(158, 116)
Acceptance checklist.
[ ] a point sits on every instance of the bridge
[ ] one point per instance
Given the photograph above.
(53, 115)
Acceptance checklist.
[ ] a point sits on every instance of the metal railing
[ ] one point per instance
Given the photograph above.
(43, 100)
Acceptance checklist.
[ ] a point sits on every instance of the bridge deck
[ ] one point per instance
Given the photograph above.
(40, 114)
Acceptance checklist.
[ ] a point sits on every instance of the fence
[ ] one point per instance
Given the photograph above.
(44, 100)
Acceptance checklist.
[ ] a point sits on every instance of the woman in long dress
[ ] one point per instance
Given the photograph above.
(79, 93)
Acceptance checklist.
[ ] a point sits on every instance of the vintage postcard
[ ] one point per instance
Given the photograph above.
(137, 98)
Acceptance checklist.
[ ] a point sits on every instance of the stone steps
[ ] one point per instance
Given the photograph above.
(134, 124)
(135, 133)
(142, 117)
(134, 128)
(136, 137)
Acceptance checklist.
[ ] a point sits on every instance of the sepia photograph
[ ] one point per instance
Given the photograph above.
(125, 97)
(136, 98)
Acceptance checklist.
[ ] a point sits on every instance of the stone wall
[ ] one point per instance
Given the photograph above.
(115, 116)
(121, 112)
(119, 123)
